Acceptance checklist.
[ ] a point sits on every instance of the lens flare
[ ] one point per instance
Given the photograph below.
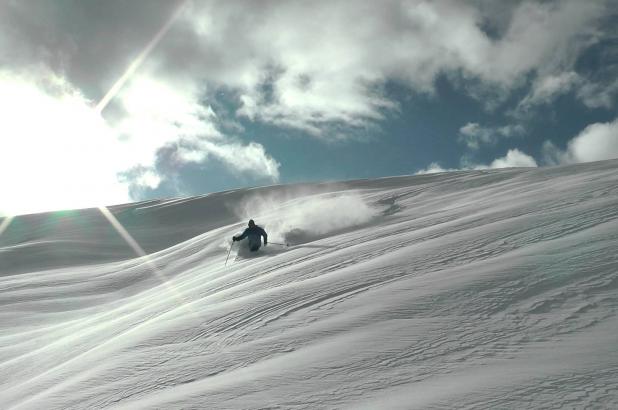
(139, 60)
(5, 224)
(141, 253)
(130, 71)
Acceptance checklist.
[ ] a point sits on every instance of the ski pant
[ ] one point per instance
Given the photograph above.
(254, 243)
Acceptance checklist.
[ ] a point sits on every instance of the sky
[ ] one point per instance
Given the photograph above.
(107, 102)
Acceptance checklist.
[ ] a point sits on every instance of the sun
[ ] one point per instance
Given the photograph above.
(57, 152)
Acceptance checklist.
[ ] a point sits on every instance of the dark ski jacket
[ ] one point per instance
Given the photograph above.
(254, 233)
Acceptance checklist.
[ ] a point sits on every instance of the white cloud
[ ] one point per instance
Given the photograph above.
(598, 95)
(596, 142)
(545, 89)
(546, 36)
(514, 158)
(311, 66)
(302, 65)
(162, 113)
(435, 168)
(149, 179)
(57, 152)
(474, 135)
(314, 65)
(249, 158)
(159, 113)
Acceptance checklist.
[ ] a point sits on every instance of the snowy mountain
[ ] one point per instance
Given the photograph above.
(476, 289)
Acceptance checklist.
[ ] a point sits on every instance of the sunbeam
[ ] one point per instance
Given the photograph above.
(140, 252)
(123, 232)
(5, 224)
(139, 60)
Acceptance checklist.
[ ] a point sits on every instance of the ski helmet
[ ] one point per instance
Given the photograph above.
(251, 223)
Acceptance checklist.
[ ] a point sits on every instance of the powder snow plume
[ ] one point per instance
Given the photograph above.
(303, 218)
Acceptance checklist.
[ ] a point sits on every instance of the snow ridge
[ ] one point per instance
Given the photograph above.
(476, 289)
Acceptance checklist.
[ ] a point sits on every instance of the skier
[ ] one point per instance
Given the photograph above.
(254, 233)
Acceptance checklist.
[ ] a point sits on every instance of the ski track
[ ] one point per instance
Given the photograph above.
(483, 289)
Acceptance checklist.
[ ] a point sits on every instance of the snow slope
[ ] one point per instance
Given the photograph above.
(479, 289)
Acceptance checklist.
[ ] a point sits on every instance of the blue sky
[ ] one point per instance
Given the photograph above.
(111, 101)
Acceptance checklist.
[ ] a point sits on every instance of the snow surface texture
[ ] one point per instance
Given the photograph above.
(479, 289)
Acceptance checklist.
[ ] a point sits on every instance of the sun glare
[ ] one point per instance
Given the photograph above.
(57, 152)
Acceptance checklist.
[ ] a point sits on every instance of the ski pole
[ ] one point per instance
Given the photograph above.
(228, 253)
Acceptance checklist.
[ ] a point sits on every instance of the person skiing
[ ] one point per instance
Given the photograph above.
(254, 234)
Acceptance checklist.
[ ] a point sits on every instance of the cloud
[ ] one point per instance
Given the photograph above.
(293, 72)
(160, 114)
(69, 156)
(547, 36)
(514, 158)
(596, 142)
(90, 44)
(435, 168)
(58, 152)
(322, 67)
(592, 93)
(302, 65)
(599, 94)
(545, 89)
(474, 135)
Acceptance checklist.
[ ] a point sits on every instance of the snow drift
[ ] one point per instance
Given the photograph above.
(476, 289)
